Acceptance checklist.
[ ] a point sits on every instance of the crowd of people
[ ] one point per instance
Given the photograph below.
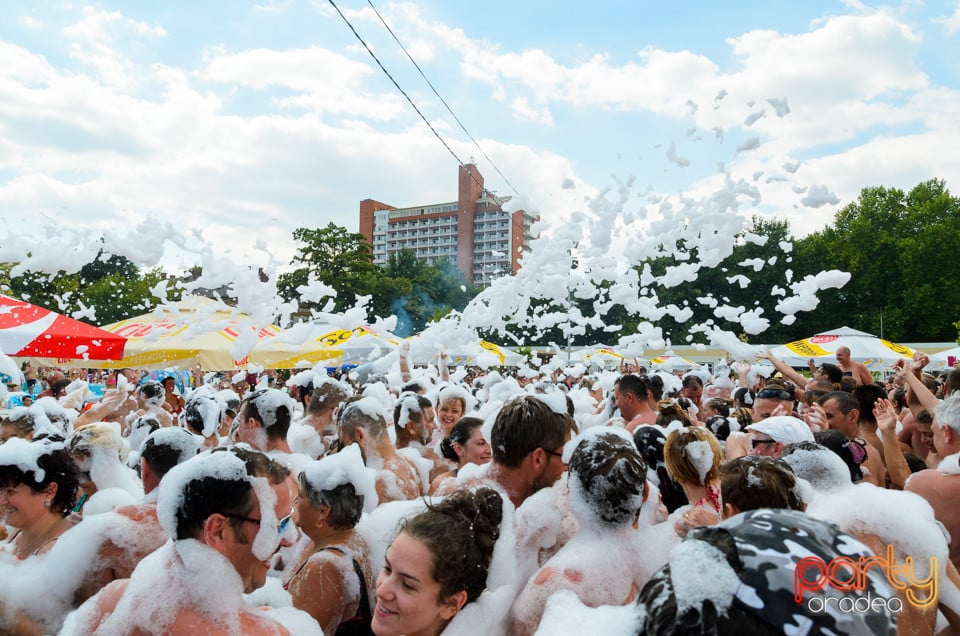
(754, 498)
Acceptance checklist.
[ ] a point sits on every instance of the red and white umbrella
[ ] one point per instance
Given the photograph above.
(30, 331)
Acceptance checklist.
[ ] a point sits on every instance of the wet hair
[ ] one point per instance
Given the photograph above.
(168, 378)
(343, 501)
(839, 443)
(22, 421)
(525, 424)
(867, 395)
(610, 476)
(258, 464)
(845, 401)
(833, 372)
(924, 417)
(719, 426)
(649, 441)
(412, 387)
(914, 463)
(162, 456)
(460, 533)
(193, 415)
(744, 417)
(691, 381)
(459, 434)
(720, 405)
(415, 415)
(744, 397)
(669, 411)
(353, 417)
(281, 414)
(152, 391)
(952, 384)
(58, 388)
(752, 482)
(679, 466)
(634, 385)
(327, 396)
(655, 386)
(58, 467)
(212, 495)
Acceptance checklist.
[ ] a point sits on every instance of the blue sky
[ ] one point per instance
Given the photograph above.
(223, 126)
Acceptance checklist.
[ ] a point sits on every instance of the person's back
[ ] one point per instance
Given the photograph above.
(602, 562)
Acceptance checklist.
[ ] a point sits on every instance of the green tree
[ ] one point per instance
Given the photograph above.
(114, 287)
(337, 257)
(902, 251)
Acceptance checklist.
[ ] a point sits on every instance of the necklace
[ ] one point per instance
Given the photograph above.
(35, 546)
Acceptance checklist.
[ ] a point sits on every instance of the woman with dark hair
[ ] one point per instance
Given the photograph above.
(332, 583)
(38, 485)
(437, 564)
(464, 445)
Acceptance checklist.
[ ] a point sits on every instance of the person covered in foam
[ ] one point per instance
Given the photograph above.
(223, 528)
(603, 562)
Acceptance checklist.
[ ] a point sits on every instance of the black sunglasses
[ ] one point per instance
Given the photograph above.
(756, 442)
(776, 394)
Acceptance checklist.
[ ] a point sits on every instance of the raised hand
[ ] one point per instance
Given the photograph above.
(885, 415)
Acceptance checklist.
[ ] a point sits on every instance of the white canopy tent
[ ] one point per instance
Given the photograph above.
(877, 354)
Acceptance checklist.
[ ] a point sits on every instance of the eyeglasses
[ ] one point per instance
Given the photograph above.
(550, 452)
(775, 394)
(756, 442)
(242, 518)
(281, 526)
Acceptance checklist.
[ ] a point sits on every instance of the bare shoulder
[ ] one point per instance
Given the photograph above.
(932, 481)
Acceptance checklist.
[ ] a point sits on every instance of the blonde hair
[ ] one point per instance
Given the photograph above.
(679, 466)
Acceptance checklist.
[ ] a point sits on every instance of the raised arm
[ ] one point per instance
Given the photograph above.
(785, 369)
(911, 376)
(444, 365)
(897, 466)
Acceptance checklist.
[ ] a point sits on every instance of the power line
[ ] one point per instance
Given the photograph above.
(404, 93)
(442, 101)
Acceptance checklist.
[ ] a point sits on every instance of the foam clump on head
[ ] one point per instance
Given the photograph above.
(221, 466)
(205, 406)
(179, 439)
(345, 467)
(25, 455)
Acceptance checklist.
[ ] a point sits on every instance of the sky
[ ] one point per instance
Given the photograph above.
(225, 125)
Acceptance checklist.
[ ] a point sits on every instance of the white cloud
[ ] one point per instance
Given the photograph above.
(523, 111)
(951, 23)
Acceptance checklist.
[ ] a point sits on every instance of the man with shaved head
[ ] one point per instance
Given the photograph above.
(857, 370)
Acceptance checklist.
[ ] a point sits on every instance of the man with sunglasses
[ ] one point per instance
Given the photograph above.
(776, 398)
(769, 437)
(225, 524)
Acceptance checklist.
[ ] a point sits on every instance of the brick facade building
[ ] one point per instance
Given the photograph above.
(475, 232)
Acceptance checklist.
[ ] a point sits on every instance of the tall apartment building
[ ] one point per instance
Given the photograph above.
(475, 232)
